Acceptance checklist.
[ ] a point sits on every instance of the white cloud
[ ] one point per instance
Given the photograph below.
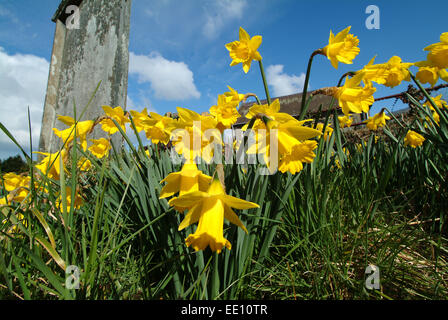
(220, 14)
(23, 83)
(139, 105)
(282, 83)
(170, 80)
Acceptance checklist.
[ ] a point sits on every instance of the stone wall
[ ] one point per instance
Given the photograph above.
(81, 58)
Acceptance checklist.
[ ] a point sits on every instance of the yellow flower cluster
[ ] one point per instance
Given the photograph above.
(18, 186)
(390, 74)
(436, 63)
(281, 141)
(439, 104)
(377, 121)
(413, 139)
(356, 98)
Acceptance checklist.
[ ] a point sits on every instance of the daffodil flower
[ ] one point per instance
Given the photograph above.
(233, 96)
(225, 112)
(390, 74)
(438, 52)
(430, 73)
(272, 111)
(158, 128)
(84, 164)
(377, 121)
(139, 119)
(328, 130)
(341, 48)
(17, 186)
(195, 135)
(345, 121)
(439, 103)
(100, 147)
(68, 197)
(413, 139)
(284, 135)
(300, 153)
(118, 115)
(188, 179)
(51, 164)
(82, 129)
(354, 98)
(209, 209)
(244, 50)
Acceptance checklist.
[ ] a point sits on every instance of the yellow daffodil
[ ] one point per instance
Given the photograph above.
(68, 196)
(209, 209)
(341, 48)
(390, 74)
(188, 179)
(84, 164)
(300, 153)
(51, 164)
(377, 121)
(438, 52)
(287, 134)
(225, 112)
(100, 147)
(272, 111)
(438, 102)
(328, 130)
(352, 97)
(118, 115)
(269, 110)
(429, 73)
(336, 157)
(244, 50)
(17, 186)
(82, 129)
(345, 121)
(195, 135)
(233, 96)
(12, 181)
(158, 128)
(139, 119)
(413, 139)
(436, 118)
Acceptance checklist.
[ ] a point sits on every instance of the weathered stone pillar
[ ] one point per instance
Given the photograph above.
(92, 47)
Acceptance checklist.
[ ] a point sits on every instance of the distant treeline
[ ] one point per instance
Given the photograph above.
(13, 164)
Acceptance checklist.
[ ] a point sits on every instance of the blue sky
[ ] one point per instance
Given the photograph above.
(183, 42)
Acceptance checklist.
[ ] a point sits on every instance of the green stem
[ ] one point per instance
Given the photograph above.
(252, 95)
(266, 90)
(350, 73)
(307, 78)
